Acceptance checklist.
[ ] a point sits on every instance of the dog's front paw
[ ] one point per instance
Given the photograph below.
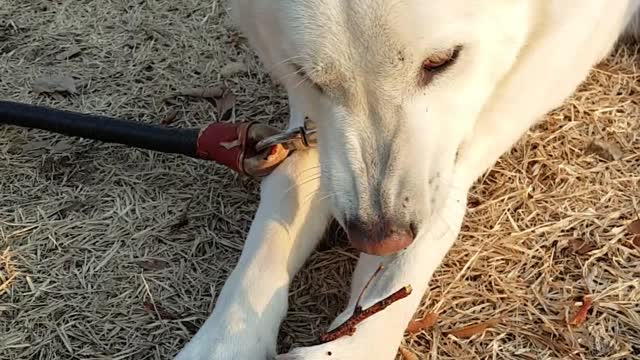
(218, 340)
(236, 349)
(334, 350)
(346, 348)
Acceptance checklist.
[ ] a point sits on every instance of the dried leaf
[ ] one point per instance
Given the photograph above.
(234, 39)
(35, 145)
(153, 264)
(225, 106)
(71, 207)
(407, 355)
(581, 247)
(232, 68)
(61, 147)
(469, 331)
(170, 118)
(634, 227)
(605, 150)
(159, 311)
(69, 53)
(171, 101)
(54, 84)
(426, 322)
(183, 219)
(581, 315)
(202, 92)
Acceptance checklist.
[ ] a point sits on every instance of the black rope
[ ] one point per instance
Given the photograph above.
(102, 128)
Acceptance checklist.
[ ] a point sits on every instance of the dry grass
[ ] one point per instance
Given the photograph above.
(87, 242)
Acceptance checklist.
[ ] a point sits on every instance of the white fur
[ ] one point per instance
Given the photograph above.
(520, 59)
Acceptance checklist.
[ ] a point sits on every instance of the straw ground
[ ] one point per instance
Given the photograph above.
(112, 252)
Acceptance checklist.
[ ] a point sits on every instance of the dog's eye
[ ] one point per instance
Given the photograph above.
(438, 62)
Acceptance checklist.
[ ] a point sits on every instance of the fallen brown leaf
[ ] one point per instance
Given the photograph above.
(54, 84)
(469, 331)
(407, 355)
(183, 218)
(202, 92)
(35, 145)
(232, 68)
(170, 117)
(225, 106)
(234, 39)
(634, 227)
(581, 247)
(159, 311)
(70, 52)
(171, 101)
(581, 315)
(605, 150)
(426, 322)
(61, 147)
(153, 264)
(71, 207)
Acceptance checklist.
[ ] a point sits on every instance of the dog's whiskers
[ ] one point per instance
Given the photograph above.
(284, 61)
(310, 197)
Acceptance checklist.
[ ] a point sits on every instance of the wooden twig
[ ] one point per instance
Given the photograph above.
(366, 286)
(348, 328)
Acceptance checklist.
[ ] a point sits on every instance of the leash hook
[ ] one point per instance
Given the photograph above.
(297, 138)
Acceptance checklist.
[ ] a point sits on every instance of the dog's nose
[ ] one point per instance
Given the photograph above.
(384, 238)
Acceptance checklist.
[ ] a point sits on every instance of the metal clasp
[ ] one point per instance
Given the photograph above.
(298, 138)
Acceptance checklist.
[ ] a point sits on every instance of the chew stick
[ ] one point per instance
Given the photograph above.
(348, 328)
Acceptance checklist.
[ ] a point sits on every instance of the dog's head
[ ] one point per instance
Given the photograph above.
(395, 88)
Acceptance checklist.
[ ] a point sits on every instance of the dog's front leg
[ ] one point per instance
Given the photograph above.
(290, 220)
(378, 337)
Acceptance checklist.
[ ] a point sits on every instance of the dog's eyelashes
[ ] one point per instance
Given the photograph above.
(438, 62)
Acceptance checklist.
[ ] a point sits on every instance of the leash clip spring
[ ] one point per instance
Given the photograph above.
(297, 138)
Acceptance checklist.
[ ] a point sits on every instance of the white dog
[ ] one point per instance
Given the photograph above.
(414, 100)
